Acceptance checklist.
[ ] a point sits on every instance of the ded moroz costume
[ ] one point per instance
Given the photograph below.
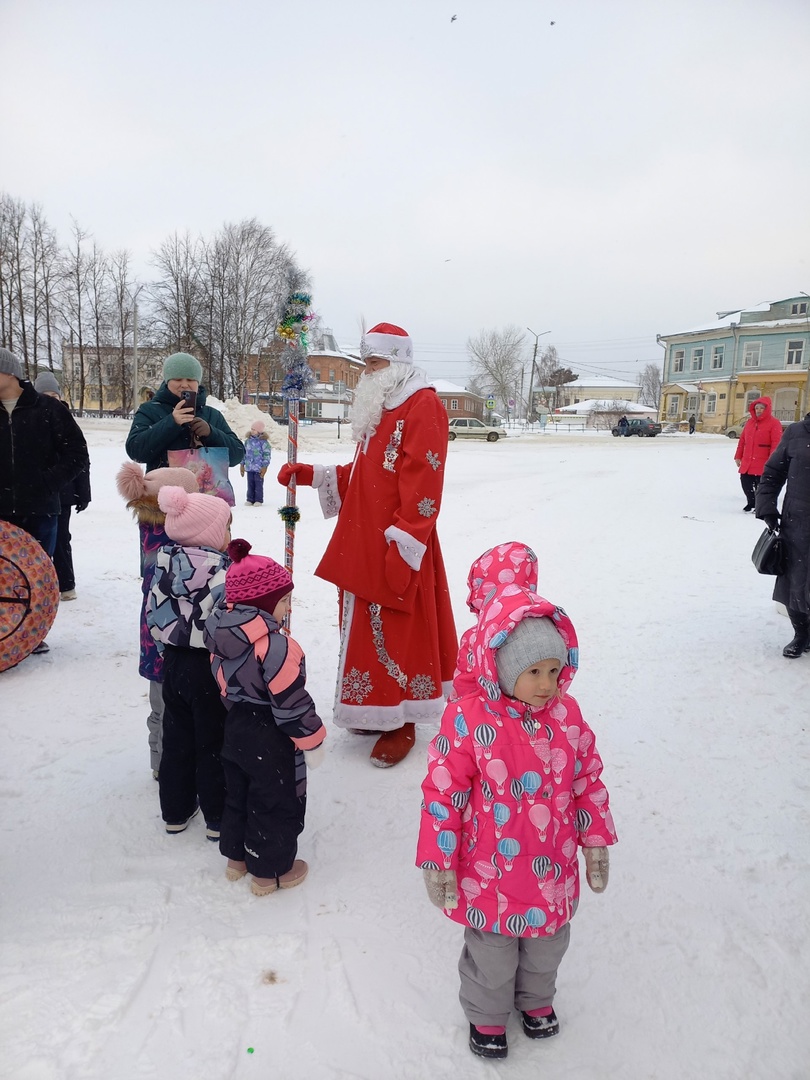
(398, 640)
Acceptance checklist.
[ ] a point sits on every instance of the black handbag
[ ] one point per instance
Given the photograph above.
(768, 555)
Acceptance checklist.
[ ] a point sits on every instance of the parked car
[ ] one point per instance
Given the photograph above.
(475, 429)
(735, 430)
(641, 426)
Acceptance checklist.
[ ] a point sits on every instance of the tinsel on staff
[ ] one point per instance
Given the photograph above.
(297, 380)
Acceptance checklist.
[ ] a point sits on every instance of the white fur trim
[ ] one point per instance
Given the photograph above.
(398, 347)
(417, 380)
(411, 549)
(325, 480)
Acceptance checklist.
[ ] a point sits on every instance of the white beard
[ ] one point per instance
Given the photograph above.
(379, 390)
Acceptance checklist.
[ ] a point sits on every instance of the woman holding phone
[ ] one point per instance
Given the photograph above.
(177, 418)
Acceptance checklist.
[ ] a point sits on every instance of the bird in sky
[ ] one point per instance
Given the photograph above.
(453, 18)
(551, 23)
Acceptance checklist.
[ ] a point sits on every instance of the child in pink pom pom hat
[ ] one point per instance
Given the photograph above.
(188, 585)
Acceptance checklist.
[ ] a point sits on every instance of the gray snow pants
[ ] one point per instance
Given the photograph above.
(500, 973)
(154, 723)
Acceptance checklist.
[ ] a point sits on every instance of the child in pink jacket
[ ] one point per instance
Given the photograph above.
(513, 791)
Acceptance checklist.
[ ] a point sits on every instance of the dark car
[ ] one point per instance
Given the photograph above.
(640, 426)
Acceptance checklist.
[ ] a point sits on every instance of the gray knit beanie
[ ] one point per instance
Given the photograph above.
(10, 364)
(45, 383)
(182, 365)
(533, 639)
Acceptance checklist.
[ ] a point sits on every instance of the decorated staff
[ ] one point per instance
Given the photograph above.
(299, 377)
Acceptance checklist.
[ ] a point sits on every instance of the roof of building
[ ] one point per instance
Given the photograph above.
(443, 386)
(606, 404)
(727, 319)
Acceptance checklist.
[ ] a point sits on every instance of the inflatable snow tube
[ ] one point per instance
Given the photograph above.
(29, 594)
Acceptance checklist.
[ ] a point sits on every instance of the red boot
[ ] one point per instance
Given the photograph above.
(393, 746)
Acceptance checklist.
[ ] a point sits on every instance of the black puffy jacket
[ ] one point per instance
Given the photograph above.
(42, 449)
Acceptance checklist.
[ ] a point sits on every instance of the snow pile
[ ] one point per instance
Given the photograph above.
(240, 417)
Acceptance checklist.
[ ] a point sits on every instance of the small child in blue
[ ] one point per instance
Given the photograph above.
(257, 458)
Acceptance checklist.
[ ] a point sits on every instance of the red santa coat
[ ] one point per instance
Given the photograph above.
(758, 439)
(398, 651)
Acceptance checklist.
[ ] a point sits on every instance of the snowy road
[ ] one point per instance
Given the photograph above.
(127, 955)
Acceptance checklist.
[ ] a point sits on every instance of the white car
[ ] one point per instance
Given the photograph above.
(475, 429)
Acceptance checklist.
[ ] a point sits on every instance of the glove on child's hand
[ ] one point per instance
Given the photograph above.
(304, 474)
(397, 571)
(597, 866)
(262, 472)
(313, 758)
(442, 888)
(241, 470)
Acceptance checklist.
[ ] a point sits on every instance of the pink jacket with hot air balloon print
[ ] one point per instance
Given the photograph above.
(512, 792)
(512, 563)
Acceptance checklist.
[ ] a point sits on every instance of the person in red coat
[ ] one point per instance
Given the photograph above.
(759, 438)
(398, 639)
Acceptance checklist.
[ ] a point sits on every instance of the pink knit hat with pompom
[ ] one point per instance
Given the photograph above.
(193, 519)
(133, 483)
(255, 579)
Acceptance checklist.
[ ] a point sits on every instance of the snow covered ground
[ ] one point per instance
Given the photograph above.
(126, 955)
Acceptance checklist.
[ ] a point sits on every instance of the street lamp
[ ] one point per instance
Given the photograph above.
(531, 376)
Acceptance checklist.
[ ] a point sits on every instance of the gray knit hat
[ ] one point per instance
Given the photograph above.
(10, 364)
(532, 640)
(182, 365)
(45, 383)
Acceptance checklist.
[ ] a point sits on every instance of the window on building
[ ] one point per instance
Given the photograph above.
(795, 351)
(697, 359)
(799, 309)
(752, 351)
(677, 359)
(718, 356)
(711, 404)
(312, 410)
(454, 404)
(673, 405)
(331, 374)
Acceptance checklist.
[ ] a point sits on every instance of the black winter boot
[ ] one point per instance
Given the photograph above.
(801, 640)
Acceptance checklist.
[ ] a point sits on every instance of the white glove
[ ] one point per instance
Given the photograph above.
(313, 758)
(597, 866)
(442, 888)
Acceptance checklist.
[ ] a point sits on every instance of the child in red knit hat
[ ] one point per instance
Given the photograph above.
(272, 731)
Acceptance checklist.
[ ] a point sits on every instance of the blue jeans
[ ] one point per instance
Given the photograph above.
(42, 527)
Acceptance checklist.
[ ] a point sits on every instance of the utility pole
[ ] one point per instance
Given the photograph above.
(534, 361)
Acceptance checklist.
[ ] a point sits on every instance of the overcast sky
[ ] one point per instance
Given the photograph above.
(603, 169)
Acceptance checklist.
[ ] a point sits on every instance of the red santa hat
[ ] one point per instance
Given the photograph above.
(388, 342)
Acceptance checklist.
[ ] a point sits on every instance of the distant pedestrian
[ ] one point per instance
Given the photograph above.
(75, 493)
(257, 458)
(692, 424)
(759, 438)
(623, 426)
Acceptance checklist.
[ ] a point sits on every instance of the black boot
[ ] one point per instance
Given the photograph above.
(801, 640)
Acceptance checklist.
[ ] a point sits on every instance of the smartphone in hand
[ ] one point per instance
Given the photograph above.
(190, 398)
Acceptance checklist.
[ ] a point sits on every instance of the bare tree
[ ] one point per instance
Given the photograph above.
(74, 309)
(122, 321)
(551, 375)
(100, 310)
(178, 295)
(46, 271)
(496, 358)
(650, 382)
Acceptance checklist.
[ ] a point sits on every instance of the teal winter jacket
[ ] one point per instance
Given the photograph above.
(154, 432)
